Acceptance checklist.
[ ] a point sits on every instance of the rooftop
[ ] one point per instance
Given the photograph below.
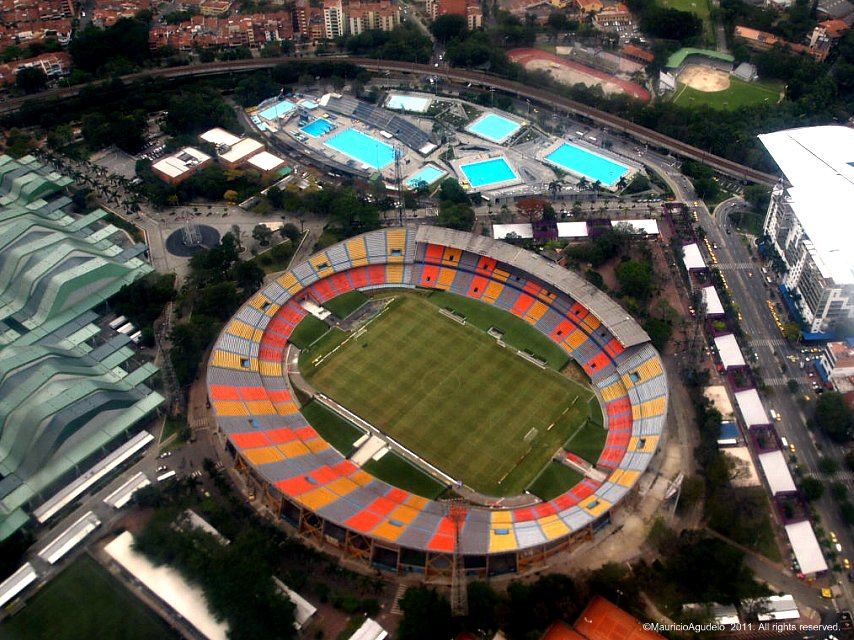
(818, 163)
(181, 162)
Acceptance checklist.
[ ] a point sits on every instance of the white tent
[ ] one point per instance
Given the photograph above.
(645, 226)
(777, 472)
(750, 405)
(806, 548)
(523, 230)
(729, 351)
(714, 306)
(692, 258)
(572, 230)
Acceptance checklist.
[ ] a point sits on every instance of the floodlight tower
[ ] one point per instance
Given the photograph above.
(398, 183)
(459, 594)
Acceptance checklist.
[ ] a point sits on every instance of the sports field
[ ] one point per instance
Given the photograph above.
(739, 94)
(85, 602)
(448, 392)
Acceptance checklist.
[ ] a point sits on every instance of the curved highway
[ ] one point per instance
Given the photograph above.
(543, 96)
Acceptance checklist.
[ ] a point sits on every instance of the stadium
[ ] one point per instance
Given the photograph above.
(463, 391)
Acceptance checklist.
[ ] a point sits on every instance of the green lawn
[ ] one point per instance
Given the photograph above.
(739, 94)
(345, 304)
(555, 479)
(448, 392)
(85, 602)
(587, 440)
(399, 472)
(322, 345)
(332, 427)
(307, 331)
(517, 332)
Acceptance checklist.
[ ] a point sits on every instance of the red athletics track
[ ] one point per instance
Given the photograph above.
(523, 56)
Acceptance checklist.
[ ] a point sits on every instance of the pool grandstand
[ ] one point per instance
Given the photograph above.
(327, 497)
(71, 388)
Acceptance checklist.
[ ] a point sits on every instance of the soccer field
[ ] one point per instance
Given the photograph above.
(456, 398)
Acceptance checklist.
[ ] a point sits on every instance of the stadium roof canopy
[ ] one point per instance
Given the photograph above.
(676, 59)
(66, 399)
(752, 410)
(613, 316)
(806, 548)
(729, 351)
(819, 164)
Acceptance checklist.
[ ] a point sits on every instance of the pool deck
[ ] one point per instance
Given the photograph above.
(492, 186)
(611, 157)
(502, 140)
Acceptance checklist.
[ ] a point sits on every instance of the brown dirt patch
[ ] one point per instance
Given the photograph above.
(704, 78)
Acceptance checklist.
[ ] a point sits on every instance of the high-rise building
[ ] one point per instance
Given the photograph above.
(810, 222)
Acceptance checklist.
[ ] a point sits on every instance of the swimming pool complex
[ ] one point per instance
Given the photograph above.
(428, 174)
(362, 148)
(494, 128)
(277, 110)
(416, 104)
(582, 162)
(317, 128)
(488, 172)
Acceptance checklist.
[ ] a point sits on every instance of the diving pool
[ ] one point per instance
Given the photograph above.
(488, 172)
(428, 174)
(415, 104)
(317, 128)
(494, 127)
(363, 148)
(582, 162)
(277, 110)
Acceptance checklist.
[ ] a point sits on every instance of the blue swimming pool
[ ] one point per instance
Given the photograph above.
(428, 174)
(367, 150)
(277, 110)
(317, 128)
(592, 166)
(493, 127)
(488, 172)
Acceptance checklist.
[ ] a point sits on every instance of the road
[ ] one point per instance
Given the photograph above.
(750, 292)
(484, 80)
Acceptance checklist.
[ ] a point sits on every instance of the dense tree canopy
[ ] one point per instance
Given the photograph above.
(448, 27)
(834, 416)
(93, 48)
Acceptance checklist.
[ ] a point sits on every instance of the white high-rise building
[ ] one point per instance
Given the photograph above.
(810, 221)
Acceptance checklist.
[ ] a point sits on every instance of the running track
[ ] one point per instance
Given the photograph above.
(524, 56)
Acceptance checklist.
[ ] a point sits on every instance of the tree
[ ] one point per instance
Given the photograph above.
(812, 488)
(426, 615)
(483, 602)
(31, 79)
(262, 234)
(532, 208)
(791, 331)
(827, 465)
(453, 192)
(448, 27)
(833, 416)
(635, 278)
(291, 232)
(456, 216)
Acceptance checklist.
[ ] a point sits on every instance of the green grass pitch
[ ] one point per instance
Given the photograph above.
(85, 602)
(456, 398)
(739, 94)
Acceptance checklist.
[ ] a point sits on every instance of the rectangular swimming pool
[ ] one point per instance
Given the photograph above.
(488, 172)
(363, 148)
(494, 127)
(416, 104)
(317, 128)
(428, 174)
(592, 166)
(277, 110)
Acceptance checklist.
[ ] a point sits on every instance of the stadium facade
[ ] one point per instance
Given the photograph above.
(70, 390)
(810, 222)
(307, 483)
